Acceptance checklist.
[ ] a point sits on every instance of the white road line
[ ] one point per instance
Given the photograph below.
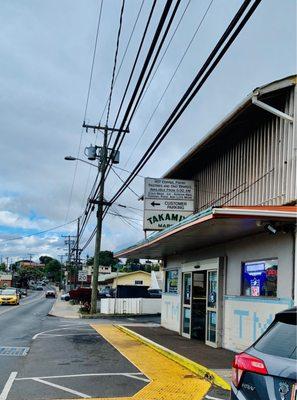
(65, 389)
(48, 335)
(7, 387)
(137, 377)
(80, 375)
(213, 398)
(60, 329)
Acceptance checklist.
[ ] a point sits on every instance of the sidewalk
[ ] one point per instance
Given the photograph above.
(218, 360)
(64, 309)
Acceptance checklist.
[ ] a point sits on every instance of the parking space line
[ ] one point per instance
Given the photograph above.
(137, 377)
(212, 398)
(130, 374)
(60, 329)
(8, 384)
(65, 389)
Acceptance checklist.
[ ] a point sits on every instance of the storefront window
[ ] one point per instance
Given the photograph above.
(259, 278)
(171, 281)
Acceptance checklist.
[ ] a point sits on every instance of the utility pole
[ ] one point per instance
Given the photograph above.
(69, 242)
(77, 253)
(102, 165)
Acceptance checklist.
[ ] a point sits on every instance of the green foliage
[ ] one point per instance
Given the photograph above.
(45, 259)
(106, 258)
(27, 274)
(53, 270)
(2, 267)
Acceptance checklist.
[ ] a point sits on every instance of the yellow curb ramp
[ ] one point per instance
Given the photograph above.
(168, 380)
(198, 369)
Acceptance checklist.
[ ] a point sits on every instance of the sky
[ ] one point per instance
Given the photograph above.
(46, 50)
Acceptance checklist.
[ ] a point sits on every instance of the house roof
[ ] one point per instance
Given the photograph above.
(212, 226)
(271, 93)
(113, 275)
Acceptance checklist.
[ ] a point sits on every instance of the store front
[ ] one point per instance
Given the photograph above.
(225, 275)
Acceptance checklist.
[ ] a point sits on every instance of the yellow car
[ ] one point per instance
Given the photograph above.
(9, 296)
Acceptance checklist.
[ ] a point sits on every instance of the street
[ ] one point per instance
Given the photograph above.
(64, 359)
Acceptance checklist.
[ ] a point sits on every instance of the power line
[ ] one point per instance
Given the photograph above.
(191, 92)
(86, 107)
(124, 55)
(122, 180)
(115, 61)
(170, 81)
(93, 60)
(40, 232)
(139, 81)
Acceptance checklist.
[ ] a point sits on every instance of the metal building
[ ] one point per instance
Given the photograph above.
(232, 265)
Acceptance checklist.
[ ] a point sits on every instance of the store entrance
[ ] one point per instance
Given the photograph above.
(199, 306)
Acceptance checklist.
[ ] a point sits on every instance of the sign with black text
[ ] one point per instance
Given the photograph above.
(166, 202)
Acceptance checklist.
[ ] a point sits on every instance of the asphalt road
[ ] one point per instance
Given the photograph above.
(62, 358)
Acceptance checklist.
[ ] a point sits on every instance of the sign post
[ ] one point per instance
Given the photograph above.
(166, 202)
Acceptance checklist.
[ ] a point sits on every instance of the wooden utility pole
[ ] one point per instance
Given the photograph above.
(102, 165)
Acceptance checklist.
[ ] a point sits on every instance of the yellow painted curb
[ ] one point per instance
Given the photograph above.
(198, 369)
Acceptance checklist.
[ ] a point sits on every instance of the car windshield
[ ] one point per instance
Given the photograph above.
(8, 291)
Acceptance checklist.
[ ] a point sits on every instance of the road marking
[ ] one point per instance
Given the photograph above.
(130, 374)
(212, 398)
(60, 329)
(65, 389)
(48, 335)
(137, 377)
(14, 351)
(7, 387)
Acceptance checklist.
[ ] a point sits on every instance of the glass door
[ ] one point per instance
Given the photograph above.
(186, 304)
(211, 308)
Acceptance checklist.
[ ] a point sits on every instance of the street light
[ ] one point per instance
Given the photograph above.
(70, 158)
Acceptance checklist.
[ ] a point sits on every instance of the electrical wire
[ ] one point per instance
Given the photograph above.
(170, 81)
(191, 92)
(38, 233)
(124, 55)
(86, 106)
(122, 180)
(115, 61)
(139, 81)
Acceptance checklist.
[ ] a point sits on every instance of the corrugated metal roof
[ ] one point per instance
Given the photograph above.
(244, 105)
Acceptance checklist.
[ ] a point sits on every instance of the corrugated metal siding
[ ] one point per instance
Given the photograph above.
(260, 169)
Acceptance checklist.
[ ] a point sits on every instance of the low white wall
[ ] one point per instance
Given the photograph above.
(130, 306)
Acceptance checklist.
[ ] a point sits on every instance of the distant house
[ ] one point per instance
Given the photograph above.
(5, 280)
(28, 264)
(137, 278)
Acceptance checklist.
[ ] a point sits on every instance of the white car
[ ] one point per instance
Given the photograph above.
(65, 296)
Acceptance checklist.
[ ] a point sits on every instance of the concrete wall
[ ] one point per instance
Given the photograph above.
(130, 279)
(255, 313)
(130, 306)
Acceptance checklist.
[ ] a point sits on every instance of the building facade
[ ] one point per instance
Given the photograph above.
(231, 265)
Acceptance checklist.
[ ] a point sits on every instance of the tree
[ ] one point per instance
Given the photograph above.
(2, 267)
(45, 259)
(24, 275)
(106, 258)
(53, 270)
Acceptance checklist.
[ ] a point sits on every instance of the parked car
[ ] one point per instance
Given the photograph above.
(267, 369)
(9, 296)
(50, 293)
(65, 296)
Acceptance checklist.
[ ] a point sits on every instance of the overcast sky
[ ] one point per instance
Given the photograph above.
(45, 57)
